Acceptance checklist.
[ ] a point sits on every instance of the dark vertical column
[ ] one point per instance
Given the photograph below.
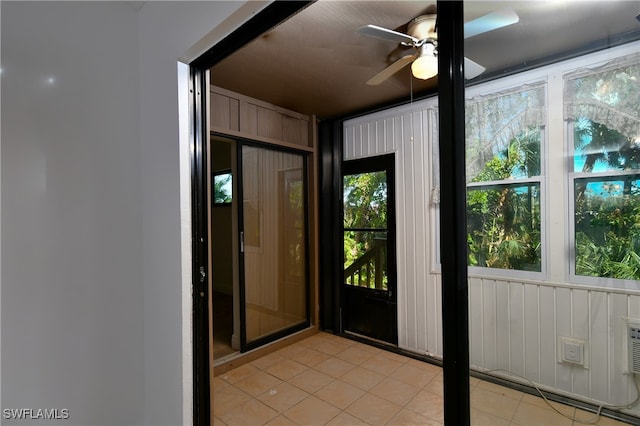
(200, 236)
(455, 305)
(330, 169)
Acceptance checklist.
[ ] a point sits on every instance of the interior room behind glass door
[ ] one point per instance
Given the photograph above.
(273, 241)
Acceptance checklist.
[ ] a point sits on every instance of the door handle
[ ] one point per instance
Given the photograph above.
(241, 241)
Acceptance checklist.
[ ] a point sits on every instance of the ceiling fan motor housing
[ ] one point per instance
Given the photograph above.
(423, 27)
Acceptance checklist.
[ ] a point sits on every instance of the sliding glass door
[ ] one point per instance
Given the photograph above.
(273, 243)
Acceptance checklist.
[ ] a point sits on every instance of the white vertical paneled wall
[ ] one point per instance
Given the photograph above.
(405, 132)
(515, 325)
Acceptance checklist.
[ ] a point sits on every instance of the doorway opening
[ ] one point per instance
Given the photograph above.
(369, 304)
(224, 275)
(273, 237)
(263, 21)
(259, 244)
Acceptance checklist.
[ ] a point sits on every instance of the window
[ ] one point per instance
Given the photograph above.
(510, 155)
(222, 188)
(365, 229)
(504, 139)
(603, 112)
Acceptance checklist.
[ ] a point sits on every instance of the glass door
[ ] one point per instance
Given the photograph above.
(369, 297)
(273, 243)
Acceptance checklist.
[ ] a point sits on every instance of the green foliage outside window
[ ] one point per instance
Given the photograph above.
(365, 207)
(503, 140)
(365, 200)
(365, 222)
(607, 208)
(503, 217)
(222, 193)
(608, 235)
(603, 105)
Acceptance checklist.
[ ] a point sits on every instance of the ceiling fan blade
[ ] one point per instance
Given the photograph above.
(391, 69)
(386, 34)
(472, 69)
(490, 22)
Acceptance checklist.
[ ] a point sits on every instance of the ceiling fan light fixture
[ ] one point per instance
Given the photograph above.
(426, 65)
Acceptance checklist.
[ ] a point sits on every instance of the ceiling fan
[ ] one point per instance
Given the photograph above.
(422, 36)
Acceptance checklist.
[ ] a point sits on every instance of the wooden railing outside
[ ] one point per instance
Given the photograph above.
(368, 269)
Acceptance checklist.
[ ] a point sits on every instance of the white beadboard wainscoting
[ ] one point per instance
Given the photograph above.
(515, 324)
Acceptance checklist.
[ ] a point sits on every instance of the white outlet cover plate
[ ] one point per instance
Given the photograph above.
(573, 351)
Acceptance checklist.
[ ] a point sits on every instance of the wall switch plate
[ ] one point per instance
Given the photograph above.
(572, 351)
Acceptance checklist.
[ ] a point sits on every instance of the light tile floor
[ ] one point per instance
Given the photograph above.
(329, 380)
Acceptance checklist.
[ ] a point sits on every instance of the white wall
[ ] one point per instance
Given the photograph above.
(514, 323)
(71, 218)
(167, 30)
(92, 285)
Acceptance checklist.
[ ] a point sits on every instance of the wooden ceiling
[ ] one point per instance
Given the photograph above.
(315, 62)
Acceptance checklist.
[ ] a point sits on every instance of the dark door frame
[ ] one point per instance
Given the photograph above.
(384, 303)
(452, 206)
(244, 344)
(330, 141)
(199, 247)
(266, 19)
